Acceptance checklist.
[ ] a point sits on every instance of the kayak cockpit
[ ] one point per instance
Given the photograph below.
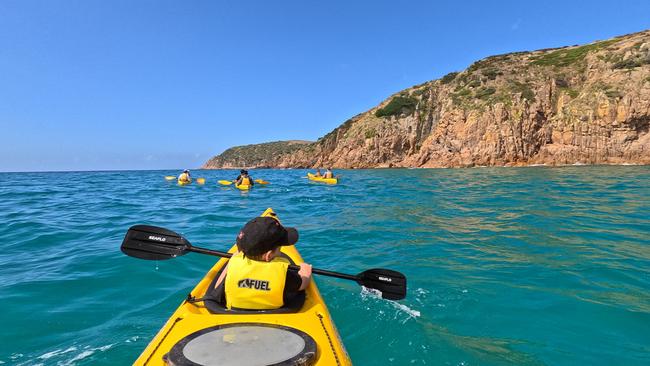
(239, 344)
(215, 302)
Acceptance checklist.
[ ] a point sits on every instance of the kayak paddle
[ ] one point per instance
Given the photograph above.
(169, 177)
(261, 181)
(156, 243)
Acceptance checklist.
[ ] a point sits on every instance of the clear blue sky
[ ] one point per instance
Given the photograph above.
(93, 85)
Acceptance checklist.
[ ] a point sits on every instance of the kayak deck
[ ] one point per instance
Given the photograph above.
(313, 318)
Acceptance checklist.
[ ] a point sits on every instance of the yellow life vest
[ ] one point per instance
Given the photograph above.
(252, 284)
(245, 181)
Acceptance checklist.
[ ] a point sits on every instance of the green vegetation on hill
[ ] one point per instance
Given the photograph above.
(523, 88)
(569, 56)
(250, 155)
(449, 77)
(398, 105)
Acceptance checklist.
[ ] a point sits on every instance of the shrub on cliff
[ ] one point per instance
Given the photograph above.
(567, 57)
(632, 62)
(397, 105)
(523, 88)
(448, 78)
(484, 92)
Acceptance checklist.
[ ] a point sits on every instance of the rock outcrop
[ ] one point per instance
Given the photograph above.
(585, 104)
(257, 155)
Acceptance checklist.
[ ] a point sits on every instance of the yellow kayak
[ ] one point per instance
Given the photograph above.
(184, 182)
(243, 187)
(201, 332)
(321, 179)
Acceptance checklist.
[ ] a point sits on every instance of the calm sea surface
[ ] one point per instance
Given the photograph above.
(525, 266)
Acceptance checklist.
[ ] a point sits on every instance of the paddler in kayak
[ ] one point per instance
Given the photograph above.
(185, 177)
(318, 173)
(244, 178)
(256, 277)
(328, 174)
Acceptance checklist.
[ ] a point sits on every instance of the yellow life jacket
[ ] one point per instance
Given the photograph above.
(245, 181)
(252, 284)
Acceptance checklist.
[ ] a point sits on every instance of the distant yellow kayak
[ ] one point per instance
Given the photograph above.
(184, 182)
(321, 179)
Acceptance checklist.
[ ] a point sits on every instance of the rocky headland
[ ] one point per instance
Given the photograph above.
(587, 104)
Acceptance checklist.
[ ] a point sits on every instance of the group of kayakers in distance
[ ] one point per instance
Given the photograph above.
(244, 181)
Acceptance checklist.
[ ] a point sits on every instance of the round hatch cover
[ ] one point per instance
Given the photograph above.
(244, 344)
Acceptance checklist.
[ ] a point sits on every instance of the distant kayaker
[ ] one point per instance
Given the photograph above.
(244, 178)
(185, 176)
(256, 277)
(328, 174)
(318, 173)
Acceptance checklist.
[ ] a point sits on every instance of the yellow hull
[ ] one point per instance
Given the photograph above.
(243, 187)
(313, 319)
(184, 182)
(323, 180)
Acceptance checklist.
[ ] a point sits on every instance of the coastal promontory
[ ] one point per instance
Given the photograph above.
(583, 104)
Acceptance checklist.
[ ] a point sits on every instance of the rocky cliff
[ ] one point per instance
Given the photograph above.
(581, 104)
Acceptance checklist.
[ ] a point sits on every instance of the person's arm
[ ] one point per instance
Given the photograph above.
(250, 179)
(305, 275)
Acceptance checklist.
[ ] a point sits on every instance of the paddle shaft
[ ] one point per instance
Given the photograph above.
(292, 266)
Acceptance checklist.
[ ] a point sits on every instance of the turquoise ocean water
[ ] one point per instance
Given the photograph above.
(525, 266)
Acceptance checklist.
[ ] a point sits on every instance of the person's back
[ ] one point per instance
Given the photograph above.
(328, 174)
(257, 277)
(185, 176)
(255, 284)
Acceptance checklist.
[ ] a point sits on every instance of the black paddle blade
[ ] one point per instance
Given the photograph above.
(154, 243)
(392, 284)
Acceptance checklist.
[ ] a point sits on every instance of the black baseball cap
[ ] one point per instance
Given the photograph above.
(262, 234)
